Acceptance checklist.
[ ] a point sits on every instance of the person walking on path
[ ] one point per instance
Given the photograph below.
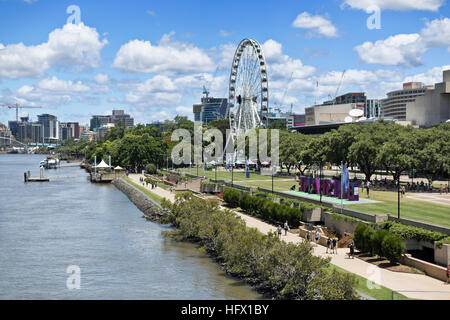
(368, 189)
(317, 236)
(440, 189)
(279, 231)
(286, 228)
(328, 244)
(334, 245)
(308, 236)
(352, 249)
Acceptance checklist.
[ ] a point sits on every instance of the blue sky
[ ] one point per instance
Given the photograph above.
(152, 58)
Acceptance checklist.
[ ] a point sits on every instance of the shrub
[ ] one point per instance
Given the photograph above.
(286, 270)
(232, 197)
(377, 241)
(151, 168)
(367, 240)
(358, 236)
(409, 232)
(393, 248)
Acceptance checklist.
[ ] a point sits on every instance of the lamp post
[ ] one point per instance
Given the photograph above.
(320, 180)
(398, 195)
(272, 179)
(232, 173)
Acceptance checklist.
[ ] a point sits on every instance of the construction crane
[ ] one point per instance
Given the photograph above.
(339, 87)
(209, 84)
(281, 102)
(17, 107)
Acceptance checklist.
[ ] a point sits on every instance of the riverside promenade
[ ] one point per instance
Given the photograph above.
(416, 286)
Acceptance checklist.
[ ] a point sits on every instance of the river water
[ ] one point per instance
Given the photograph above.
(47, 227)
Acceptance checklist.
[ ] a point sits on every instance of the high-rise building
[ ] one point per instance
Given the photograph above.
(30, 132)
(119, 115)
(351, 97)
(69, 130)
(50, 128)
(394, 106)
(210, 109)
(433, 106)
(5, 136)
(372, 108)
(99, 121)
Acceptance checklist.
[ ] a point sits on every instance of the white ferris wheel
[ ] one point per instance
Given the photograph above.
(248, 89)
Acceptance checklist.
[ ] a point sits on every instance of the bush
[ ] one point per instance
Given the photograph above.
(367, 240)
(393, 247)
(232, 197)
(151, 168)
(377, 241)
(285, 270)
(263, 207)
(358, 236)
(409, 232)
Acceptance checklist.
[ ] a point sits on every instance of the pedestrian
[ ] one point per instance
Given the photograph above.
(352, 249)
(279, 231)
(368, 188)
(317, 236)
(328, 244)
(448, 273)
(286, 228)
(334, 245)
(308, 236)
(440, 189)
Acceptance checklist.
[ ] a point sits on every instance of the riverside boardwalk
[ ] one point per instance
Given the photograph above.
(414, 286)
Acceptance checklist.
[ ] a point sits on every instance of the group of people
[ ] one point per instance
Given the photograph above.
(145, 182)
(331, 242)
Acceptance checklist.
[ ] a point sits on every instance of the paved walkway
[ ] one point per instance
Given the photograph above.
(411, 285)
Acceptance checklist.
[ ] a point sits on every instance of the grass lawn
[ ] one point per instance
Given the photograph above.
(409, 208)
(381, 293)
(150, 194)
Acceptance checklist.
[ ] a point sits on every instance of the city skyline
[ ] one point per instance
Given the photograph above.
(155, 68)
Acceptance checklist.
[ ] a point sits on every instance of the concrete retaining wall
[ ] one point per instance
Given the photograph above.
(442, 255)
(313, 216)
(361, 215)
(430, 269)
(340, 225)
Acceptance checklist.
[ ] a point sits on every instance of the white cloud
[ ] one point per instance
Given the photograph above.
(402, 5)
(429, 77)
(225, 33)
(317, 25)
(50, 93)
(169, 56)
(184, 111)
(283, 66)
(101, 78)
(406, 49)
(395, 50)
(76, 47)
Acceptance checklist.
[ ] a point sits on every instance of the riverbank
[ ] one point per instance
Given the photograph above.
(273, 267)
(411, 286)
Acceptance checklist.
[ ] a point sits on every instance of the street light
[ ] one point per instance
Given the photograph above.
(398, 195)
(320, 180)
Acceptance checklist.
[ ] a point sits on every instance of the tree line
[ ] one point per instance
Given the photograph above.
(380, 146)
